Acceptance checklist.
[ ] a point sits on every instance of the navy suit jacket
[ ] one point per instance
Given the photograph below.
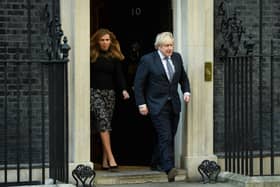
(151, 84)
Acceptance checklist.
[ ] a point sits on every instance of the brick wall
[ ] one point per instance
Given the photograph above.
(24, 86)
(244, 18)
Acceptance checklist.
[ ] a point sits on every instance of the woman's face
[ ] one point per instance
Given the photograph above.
(105, 42)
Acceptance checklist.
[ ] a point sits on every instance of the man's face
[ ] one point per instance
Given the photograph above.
(167, 48)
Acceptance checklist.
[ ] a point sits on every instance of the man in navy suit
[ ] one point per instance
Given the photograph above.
(156, 93)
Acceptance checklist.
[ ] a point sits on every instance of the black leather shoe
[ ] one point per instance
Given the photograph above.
(171, 180)
(171, 175)
(156, 168)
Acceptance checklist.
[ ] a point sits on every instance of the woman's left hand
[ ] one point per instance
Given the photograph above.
(125, 94)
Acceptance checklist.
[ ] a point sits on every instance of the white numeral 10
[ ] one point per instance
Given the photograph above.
(136, 11)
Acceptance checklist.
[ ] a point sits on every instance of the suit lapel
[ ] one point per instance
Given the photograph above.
(175, 63)
(160, 65)
(176, 66)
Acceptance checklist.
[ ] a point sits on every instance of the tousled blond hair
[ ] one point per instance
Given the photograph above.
(162, 38)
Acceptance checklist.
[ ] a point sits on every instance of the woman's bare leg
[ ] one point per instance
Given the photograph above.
(104, 158)
(107, 151)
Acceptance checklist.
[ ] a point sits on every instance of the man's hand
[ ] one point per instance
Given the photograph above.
(187, 98)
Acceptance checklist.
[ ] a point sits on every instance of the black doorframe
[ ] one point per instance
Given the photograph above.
(132, 134)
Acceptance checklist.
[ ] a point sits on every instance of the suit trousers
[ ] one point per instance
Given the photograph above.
(165, 124)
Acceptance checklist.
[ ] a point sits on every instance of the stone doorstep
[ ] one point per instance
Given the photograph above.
(134, 176)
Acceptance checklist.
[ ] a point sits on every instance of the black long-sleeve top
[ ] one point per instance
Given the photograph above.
(107, 73)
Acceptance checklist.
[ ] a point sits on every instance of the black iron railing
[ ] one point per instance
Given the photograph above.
(34, 100)
(34, 130)
(251, 92)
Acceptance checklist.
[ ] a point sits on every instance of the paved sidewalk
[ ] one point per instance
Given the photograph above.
(172, 184)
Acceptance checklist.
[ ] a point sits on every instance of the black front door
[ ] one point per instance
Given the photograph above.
(135, 24)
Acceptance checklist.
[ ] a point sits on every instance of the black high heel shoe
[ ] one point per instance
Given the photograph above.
(105, 168)
(114, 168)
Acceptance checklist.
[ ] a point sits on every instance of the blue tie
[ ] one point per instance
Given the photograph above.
(169, 69)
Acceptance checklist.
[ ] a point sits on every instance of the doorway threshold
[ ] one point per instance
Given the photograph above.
(134, 175)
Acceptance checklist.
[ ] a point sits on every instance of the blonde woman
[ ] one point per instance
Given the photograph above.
(106, 75)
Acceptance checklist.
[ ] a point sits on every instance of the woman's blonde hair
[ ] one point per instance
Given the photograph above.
(114, 50)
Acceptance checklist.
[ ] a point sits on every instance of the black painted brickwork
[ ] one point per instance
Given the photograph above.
(24, 85)
(247, 12)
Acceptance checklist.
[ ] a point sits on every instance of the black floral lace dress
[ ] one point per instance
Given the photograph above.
(106, 76)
